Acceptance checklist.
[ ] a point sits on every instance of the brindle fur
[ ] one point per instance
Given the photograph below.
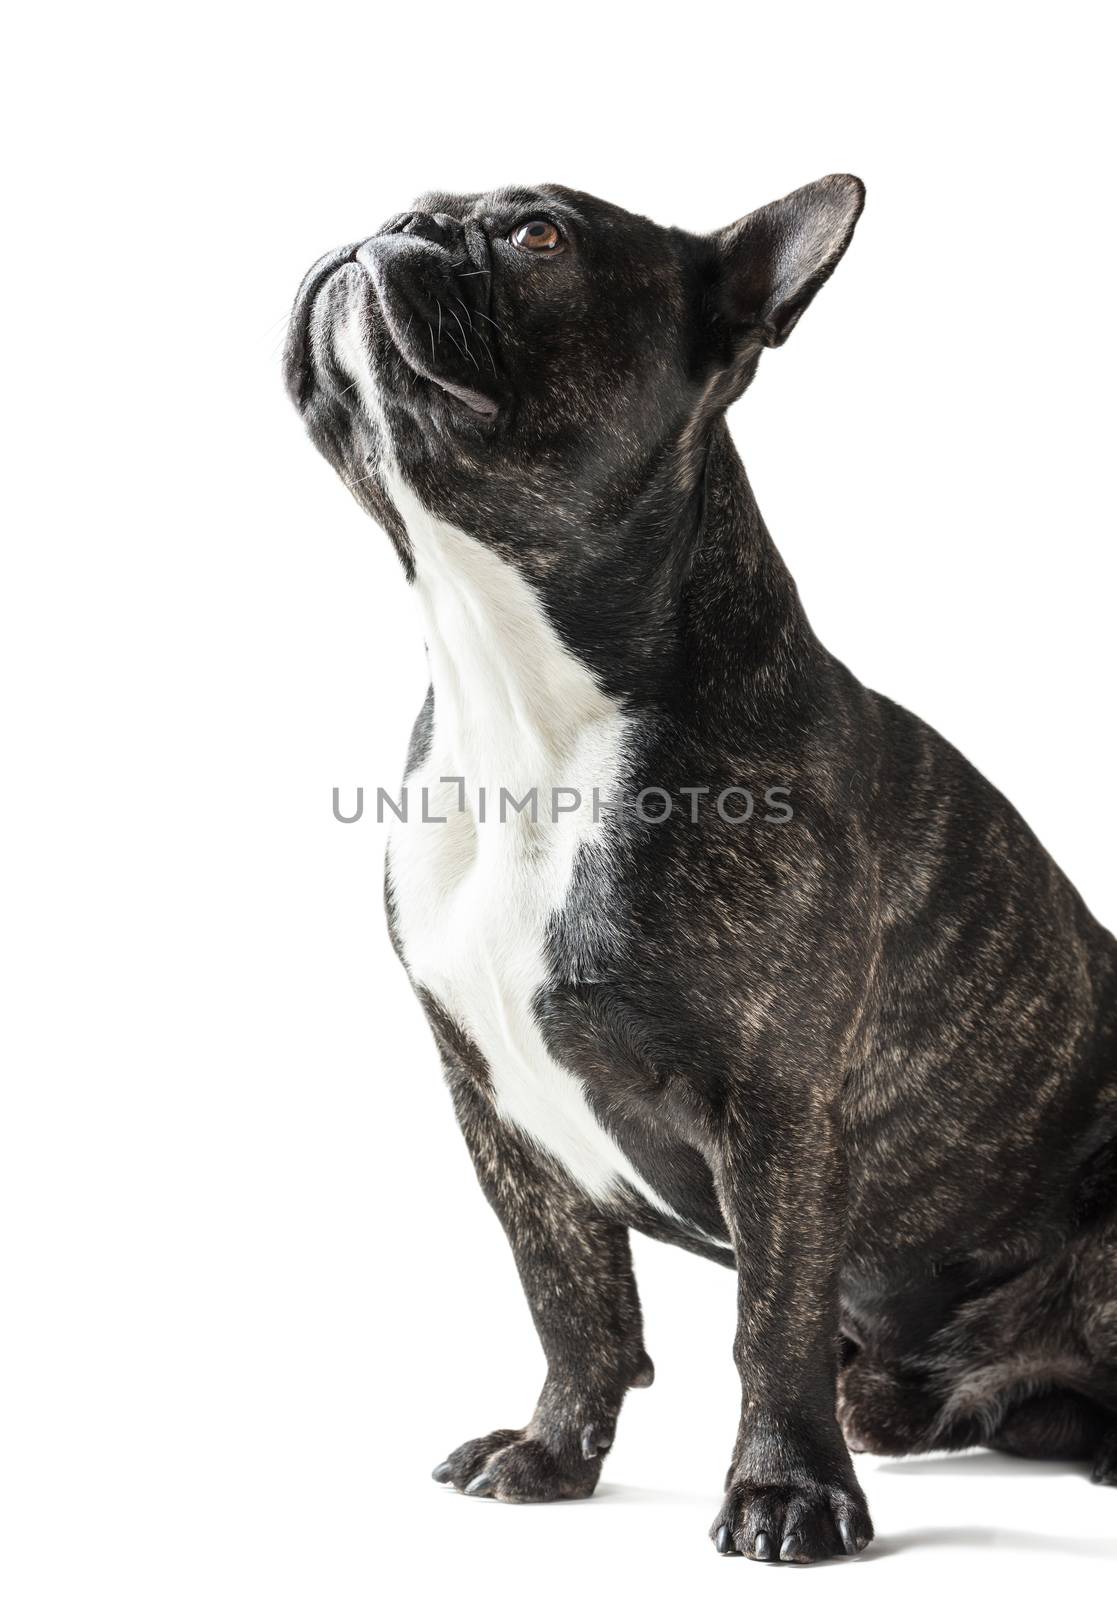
(868, 1057)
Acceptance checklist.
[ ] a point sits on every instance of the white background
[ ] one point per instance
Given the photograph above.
(252, 1291)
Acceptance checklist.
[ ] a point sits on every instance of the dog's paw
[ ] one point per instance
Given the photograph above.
(510, 1465)
(792, 1522)
(881, 1412)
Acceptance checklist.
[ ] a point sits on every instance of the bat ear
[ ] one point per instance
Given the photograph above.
(774, 261)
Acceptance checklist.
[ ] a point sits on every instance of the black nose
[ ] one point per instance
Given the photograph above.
(438, 228)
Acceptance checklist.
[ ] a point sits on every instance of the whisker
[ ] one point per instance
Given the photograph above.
(495, 324)
(488, 352)
(272, 326)
(481, 272)
(465, 308)
(460, 324)
(485, 317)
(430, 330)
(438, 303)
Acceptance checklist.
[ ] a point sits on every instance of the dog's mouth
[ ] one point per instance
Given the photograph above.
(425, 281)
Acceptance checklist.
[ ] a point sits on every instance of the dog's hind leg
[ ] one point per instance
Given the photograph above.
(887, 1410)
(1104, 1469)
(1030, 1367)
(1057, 1426)
(1095, 1311)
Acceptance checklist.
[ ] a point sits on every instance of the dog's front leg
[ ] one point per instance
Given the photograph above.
(576, 1270)
(791, 1490)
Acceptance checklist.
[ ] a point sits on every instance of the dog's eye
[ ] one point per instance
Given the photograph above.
(538, 235)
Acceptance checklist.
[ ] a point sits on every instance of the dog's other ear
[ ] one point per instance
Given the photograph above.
(774, 261)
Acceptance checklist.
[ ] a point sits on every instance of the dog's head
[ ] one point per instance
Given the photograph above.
(530, 359)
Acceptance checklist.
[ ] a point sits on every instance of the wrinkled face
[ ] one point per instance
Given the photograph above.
(534, 361)
(523, 334)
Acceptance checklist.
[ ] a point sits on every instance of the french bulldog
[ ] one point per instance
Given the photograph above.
(792, 986)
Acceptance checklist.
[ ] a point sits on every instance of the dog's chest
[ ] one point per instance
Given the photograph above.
(475, 898)
(474, 903)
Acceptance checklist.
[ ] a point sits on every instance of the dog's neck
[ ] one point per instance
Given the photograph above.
(513, 705)
(692, 610)
(746, 649)
(698, 617)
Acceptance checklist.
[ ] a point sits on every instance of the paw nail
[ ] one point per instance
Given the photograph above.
(789, 1549)
(724, 1540)
(594, 1442)
(846, 1532)
(443, 1472)
(479, 1484)
(762, 1549)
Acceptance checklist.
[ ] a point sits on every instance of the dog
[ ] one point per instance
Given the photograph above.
(856, 1040)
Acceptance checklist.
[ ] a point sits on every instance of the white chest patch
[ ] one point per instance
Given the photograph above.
(513, 709)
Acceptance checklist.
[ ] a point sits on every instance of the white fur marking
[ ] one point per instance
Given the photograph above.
(513, 708)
